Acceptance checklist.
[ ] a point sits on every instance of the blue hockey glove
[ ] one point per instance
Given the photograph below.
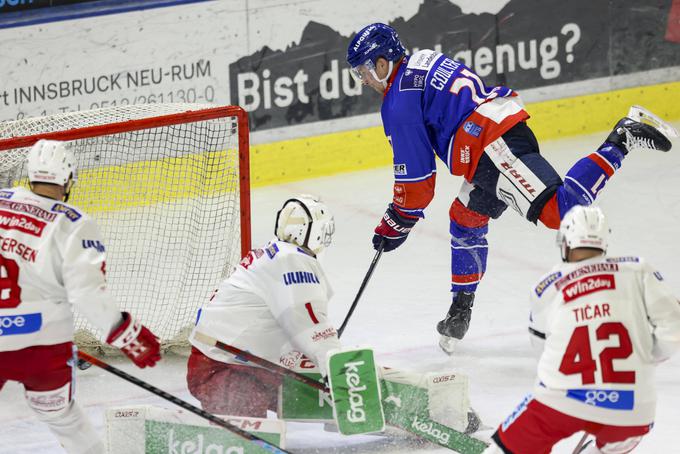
(392, 230)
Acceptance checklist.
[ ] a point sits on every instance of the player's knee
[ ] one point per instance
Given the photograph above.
(50, 405)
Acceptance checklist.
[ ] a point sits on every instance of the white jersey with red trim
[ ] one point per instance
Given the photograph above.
(606, 323)
(274, 305)
(51, 257)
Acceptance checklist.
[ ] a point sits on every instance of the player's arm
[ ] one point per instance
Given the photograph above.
(84, 274)
(663, 312)
(299, 304)
(414, 181)
(541, 297)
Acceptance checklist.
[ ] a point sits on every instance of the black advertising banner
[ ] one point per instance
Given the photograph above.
(528, 44)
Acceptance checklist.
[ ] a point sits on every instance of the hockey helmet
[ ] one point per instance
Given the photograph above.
(370, 43)
(583, 227)
(51, 161)
(306, 221)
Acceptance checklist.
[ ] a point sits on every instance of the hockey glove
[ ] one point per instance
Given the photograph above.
(392, 230)
(136, 342)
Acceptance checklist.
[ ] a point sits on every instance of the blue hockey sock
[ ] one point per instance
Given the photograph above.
(469, 250)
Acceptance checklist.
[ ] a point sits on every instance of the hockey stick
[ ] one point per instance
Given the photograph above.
(581, 444)
(379, 252)
(186, 405)
(463, 443)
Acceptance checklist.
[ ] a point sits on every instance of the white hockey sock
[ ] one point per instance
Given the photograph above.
(73, 430)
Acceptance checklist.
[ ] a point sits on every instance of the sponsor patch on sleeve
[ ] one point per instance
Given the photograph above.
(6, 194)
(413, 79)
(71, 214)
(623, 259)
(400, 169)
(545, 283)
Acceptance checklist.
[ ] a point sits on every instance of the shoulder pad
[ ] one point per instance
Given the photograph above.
(70, 213)
(545, 283)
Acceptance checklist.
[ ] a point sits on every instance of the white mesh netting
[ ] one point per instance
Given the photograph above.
(166, 199)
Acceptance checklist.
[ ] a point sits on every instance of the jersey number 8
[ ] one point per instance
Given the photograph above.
(10, 292)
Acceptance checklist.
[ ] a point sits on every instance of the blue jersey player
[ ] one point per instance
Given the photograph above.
(434, 106)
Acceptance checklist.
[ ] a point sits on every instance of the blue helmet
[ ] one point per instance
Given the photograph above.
(373, 41)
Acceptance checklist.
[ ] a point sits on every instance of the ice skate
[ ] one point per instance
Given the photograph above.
(457, 321)
(642, 130)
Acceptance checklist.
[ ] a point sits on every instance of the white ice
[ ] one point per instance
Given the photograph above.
(409, 293)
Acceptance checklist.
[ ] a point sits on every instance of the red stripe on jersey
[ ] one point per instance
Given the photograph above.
(602, 163)
(464, 216)
(310, 311)
(466, 278)
(550, 214)
(414, 195)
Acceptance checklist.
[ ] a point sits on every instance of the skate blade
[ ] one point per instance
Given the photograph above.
(643, 115)
(448, 344)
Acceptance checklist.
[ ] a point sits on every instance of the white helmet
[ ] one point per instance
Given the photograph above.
(51, 161)
(583, 227)
(305, 221)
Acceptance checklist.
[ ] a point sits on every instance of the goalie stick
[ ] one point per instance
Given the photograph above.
(362, 287)
(464, 443)
(186, 405)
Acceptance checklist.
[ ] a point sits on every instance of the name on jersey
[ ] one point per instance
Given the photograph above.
(443, 73)
(20, 324)
(71, 214)
(604, 398)
(588, 269)
(94, 244)
(588, 285)
(545, 283)
(18, 248)
(21, 223)
(300, 277)
(28, 208)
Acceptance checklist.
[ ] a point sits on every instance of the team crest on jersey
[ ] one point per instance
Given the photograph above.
(545, 283)
(71, 214)
(472, 128)
(6, 194)
(400, 169)
(300, 277)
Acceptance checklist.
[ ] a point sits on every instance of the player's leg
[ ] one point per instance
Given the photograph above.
(533, 428)
(48, 388)
(469, 215)
(616, 439)
(231, 389)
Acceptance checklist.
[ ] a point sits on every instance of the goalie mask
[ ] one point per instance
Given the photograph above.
(305, 221)
(52, 162)
(583, 227)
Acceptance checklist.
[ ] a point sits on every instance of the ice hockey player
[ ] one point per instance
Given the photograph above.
(273, 305)
(436, 106)
(52, 258)
(602, 324)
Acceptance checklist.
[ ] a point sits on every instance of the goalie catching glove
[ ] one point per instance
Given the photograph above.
(136, 341)
(393, 229)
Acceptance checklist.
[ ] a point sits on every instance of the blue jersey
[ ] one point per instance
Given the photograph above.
(437, 106)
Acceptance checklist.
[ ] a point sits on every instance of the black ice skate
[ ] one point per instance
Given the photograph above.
(641, 129)
(457, 321)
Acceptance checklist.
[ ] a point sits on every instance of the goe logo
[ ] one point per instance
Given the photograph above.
(615, 399)
(20, 324)
(4, 3)
(596, 396)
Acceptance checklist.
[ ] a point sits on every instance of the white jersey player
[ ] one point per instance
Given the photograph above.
(52, 259)
(603, 324)
(274, 305)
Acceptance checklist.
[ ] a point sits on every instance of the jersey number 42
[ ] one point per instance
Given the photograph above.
(578, 358)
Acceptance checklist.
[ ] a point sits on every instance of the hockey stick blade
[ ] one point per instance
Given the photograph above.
(465, 444)
(362, 287)
(181, 403)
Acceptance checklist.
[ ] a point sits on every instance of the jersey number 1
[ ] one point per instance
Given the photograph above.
(578, 358)
(10, 292)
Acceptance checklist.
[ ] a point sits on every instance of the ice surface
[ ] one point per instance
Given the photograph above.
(409, 293)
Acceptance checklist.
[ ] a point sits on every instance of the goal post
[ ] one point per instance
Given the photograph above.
(169, 187)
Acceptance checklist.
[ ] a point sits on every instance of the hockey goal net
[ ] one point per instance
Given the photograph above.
(169, 187)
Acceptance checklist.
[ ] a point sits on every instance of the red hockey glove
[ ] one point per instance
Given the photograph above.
(393, 229)
(136, 341)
